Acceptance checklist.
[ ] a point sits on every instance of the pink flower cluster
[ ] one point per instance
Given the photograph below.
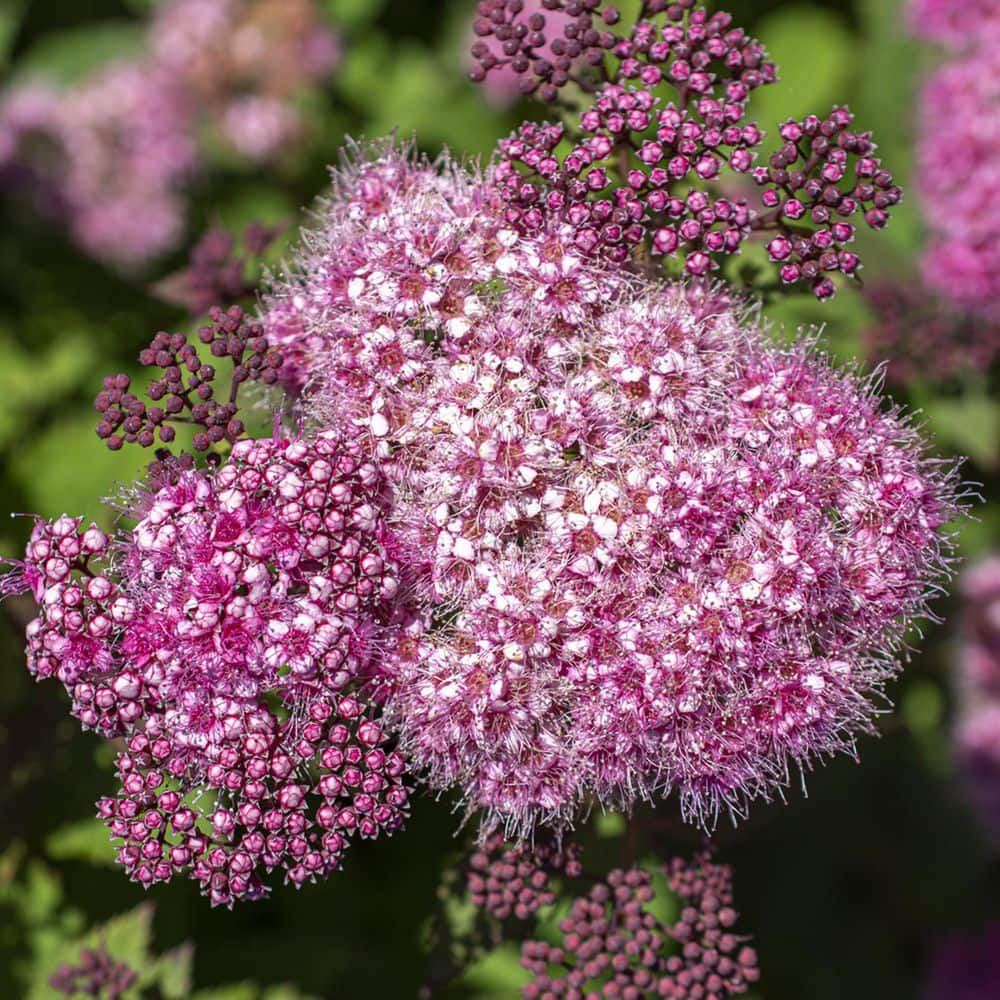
(646, 548)
(225, 631)
(643, 172)
(113, 155)
(110, 157)
(919, 337)
(977, 729)
(958, 159)
(955, 23)
(244, 63)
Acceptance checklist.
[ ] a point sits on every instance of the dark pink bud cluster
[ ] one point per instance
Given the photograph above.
(693, 143)
(514, 880)
(217, 271)
(96, 974)
(541, 42)
(920, 337)
(644, 170)
(823, 175)
(285, 796)
(612, 945)
(72, 638)
(696, 51)
(264, 582)
(185, 391)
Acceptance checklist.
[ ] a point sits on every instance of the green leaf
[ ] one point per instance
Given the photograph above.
(67, 469)
(609, 825)
(10, 21)
(126, 938)
(969, 424)
(71, 55)
(42, 893)
(171, 973)
(232, 991)
(84, 840)
(498, 976)
(353, 13)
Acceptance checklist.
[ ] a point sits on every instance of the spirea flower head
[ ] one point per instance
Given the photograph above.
(958, 159)
(648, 549)
(227, 631)
(660, 127)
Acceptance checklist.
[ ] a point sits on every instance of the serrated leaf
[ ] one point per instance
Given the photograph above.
(126, 938)
(84, 840)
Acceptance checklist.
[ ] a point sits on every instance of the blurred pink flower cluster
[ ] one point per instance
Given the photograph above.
(958, 24)
(958, 159)
(112, 155)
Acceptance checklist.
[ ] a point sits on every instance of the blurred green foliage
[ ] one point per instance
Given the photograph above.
(845, 891)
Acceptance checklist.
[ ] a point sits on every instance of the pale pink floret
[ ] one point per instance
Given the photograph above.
(649, 550)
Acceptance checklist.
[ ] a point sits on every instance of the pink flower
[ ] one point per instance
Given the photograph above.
(647, 549)
(957, 157)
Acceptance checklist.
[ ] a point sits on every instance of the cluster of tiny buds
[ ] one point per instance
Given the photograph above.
(698, 225)
(185, 393)
(96, 975)
(287, 796)
(610, 937)
(513, 880)
(638, 169)
(808, 180)
(544, 60)
(216, 271)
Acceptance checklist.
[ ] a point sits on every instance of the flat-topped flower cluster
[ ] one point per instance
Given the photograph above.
(644, 548)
